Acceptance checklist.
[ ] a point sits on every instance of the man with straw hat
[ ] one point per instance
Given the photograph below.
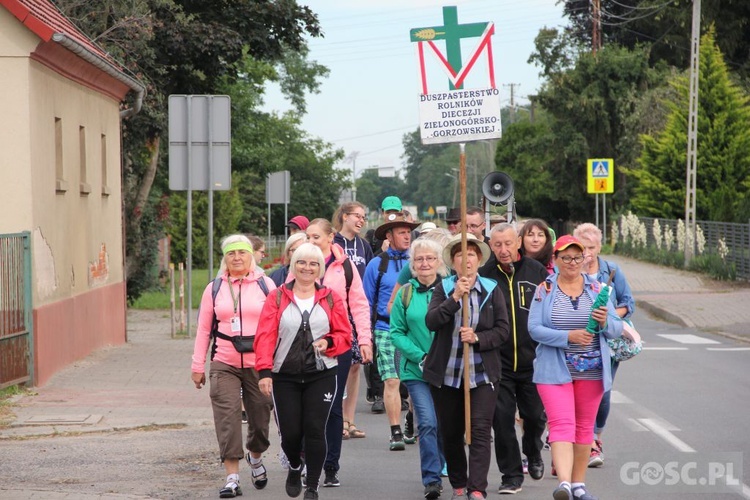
(379, 279)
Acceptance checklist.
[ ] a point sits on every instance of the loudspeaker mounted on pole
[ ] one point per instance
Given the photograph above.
(497, 189)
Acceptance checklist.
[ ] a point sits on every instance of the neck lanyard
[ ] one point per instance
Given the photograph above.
(235, 300)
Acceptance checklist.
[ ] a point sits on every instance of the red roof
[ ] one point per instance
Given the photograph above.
(44, 19)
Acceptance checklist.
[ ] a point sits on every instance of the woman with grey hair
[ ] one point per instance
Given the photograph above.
(303, 328)
(413, 339)
(229, 314)
(294, 241)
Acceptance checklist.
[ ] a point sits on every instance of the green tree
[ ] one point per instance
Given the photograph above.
(664, 26)
(371, 189)
(189, 47)
(589, 101)
(722, 188)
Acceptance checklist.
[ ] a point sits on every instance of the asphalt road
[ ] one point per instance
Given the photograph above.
(678, 417)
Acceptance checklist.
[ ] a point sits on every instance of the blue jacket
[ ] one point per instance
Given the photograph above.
(397, 260)
(621, 296)
(549, 365)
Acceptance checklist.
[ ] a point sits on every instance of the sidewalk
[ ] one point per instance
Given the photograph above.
(147, 381)
(689, 299)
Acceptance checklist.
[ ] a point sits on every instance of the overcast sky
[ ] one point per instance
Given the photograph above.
(370, 100)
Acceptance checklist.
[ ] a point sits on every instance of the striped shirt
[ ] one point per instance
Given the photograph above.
(454, 371)
(573, 314)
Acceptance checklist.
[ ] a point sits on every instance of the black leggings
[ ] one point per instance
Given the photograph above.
(302, 406)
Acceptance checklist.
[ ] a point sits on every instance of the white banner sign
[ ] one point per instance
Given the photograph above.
(460, 116)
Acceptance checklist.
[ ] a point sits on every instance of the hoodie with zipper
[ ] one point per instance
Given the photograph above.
(518, 286)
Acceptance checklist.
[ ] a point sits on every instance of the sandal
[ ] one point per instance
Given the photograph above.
(356, 433)
(345, 433)
(259, 475)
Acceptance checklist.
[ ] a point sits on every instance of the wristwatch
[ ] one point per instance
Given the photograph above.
(476, 338)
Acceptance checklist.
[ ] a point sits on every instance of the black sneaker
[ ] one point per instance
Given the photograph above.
(409, 437)
(378, 406)
(331, 480)
(244, 417)
(230, 490)
(311, 494)
(536, 468)
(433, 490)
(294, 481)
(397, 442)
(404, 405)
(509, 488)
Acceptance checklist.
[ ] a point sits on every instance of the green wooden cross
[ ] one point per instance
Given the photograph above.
(452, 33)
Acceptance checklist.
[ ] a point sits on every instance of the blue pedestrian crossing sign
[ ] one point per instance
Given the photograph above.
(600, 175)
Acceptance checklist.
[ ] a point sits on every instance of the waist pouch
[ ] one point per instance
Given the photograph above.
(241, 343)
(585, 361)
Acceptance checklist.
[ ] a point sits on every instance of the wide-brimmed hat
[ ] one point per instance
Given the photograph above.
(564, 242)
(454, 215)
(391, 221)
(470, 238)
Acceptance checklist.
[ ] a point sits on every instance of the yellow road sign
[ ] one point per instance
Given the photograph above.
(600, 175)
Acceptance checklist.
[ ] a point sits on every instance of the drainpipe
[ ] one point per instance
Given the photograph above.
(107, 67)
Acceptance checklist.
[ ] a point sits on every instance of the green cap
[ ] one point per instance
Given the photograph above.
(391, 203)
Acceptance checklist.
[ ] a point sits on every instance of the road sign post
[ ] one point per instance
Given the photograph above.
(200, 155)
(600, 179)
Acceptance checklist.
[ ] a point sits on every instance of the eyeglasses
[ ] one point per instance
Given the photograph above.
(358, 216)
(475, 226)
(568, 259)
(304, 263)
(428, 259)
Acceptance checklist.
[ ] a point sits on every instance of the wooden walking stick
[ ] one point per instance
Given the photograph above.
(465, 298)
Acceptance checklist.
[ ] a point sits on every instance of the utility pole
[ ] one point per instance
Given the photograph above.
(352, 158)
(512, 100)
(596, 26)
(692, 149)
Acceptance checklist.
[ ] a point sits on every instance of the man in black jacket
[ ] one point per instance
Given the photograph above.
(517, 276)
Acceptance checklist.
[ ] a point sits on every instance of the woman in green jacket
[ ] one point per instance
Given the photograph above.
(410, 335)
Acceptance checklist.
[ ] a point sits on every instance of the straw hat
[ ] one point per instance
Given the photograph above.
(456, 240)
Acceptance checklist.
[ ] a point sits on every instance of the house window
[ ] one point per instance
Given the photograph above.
(85, 187)
(105, 183)
(60, 184)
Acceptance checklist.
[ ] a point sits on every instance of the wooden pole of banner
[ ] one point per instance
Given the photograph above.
(465, 298)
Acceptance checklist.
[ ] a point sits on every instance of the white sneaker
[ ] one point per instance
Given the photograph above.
(283, 460)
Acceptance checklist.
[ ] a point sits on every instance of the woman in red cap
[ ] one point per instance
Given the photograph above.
(572, 368)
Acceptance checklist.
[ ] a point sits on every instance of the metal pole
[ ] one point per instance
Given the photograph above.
(286, 205)
(604, 217)
(268, 204)
(596, 210)
(189, 214)
(210, 194)
(465, 298)
(692, 151)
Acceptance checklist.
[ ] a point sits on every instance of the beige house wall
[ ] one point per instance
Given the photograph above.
(77, 233)
(16, 42)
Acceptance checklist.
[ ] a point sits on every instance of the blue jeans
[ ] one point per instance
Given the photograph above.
(427, 427)
(603, 413)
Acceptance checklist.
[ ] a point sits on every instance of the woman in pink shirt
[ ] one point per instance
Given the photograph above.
(229, 313)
